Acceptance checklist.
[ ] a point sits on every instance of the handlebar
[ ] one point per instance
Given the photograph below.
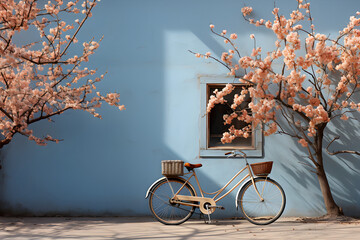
(236, 153)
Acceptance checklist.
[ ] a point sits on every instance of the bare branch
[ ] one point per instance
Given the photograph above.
(342, 151)
(213, 59)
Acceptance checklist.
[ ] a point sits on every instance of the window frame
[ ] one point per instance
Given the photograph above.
(257, 145)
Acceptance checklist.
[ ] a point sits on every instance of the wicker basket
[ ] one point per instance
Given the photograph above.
(172, 167)
(262, 168)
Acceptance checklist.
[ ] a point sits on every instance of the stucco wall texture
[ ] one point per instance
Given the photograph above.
(104, 167)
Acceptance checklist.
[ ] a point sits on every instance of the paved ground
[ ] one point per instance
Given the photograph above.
(147, 228)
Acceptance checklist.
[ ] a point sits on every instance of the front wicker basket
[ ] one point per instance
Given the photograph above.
(262, 168)
(172, 168)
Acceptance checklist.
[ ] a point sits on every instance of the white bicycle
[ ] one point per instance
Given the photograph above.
(173, 200)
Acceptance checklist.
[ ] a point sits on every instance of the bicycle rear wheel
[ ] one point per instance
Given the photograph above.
(262, 212)
(163, 209)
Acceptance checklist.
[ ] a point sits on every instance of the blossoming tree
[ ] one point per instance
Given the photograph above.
(316, 83)
(38, 78)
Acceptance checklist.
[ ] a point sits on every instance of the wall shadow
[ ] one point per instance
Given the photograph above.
(105, 167)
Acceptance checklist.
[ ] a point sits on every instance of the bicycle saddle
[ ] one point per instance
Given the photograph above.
(192, 166)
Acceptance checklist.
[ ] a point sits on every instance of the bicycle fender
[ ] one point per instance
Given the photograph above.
(152, 185)
(238, 193)
(160, 179)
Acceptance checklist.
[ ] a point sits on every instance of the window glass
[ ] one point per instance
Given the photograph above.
(216, 126)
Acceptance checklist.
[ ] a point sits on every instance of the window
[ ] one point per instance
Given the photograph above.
(212, 124)
(215, 121)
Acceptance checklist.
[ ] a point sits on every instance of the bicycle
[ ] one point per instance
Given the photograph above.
(173, 199)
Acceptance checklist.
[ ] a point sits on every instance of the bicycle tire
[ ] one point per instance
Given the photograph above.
(262, 212)
(160, 206)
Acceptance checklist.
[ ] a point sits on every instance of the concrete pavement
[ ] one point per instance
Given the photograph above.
(147, 228)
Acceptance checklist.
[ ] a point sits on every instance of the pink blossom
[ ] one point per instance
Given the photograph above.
(246, 10)
(268, 24)
(70, 4)
(303, 142)
(227, 138)
(314, 102)
(233, 36)
(293, 38)
(302, 89)
(256, 51)
(41, 81)
(219, 96)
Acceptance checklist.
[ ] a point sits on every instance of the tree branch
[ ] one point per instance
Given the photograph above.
(342, 151)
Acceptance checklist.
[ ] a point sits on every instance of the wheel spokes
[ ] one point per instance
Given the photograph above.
(166, 211)
(266, 211)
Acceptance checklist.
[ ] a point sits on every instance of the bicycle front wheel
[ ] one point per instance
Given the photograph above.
(266, 211)
(163, 209)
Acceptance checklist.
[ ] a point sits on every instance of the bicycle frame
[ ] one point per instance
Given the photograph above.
(211, 201)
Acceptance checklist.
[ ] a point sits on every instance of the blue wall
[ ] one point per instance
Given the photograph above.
(104, 167)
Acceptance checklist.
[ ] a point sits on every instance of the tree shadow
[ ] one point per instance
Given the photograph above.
(300, 185)
(342, 171)
(105, 167)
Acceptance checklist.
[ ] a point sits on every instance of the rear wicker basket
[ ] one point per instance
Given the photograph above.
(172, 167)
(262, 168)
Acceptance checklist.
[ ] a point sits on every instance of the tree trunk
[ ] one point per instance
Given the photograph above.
(4, 142)
(331, 207)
